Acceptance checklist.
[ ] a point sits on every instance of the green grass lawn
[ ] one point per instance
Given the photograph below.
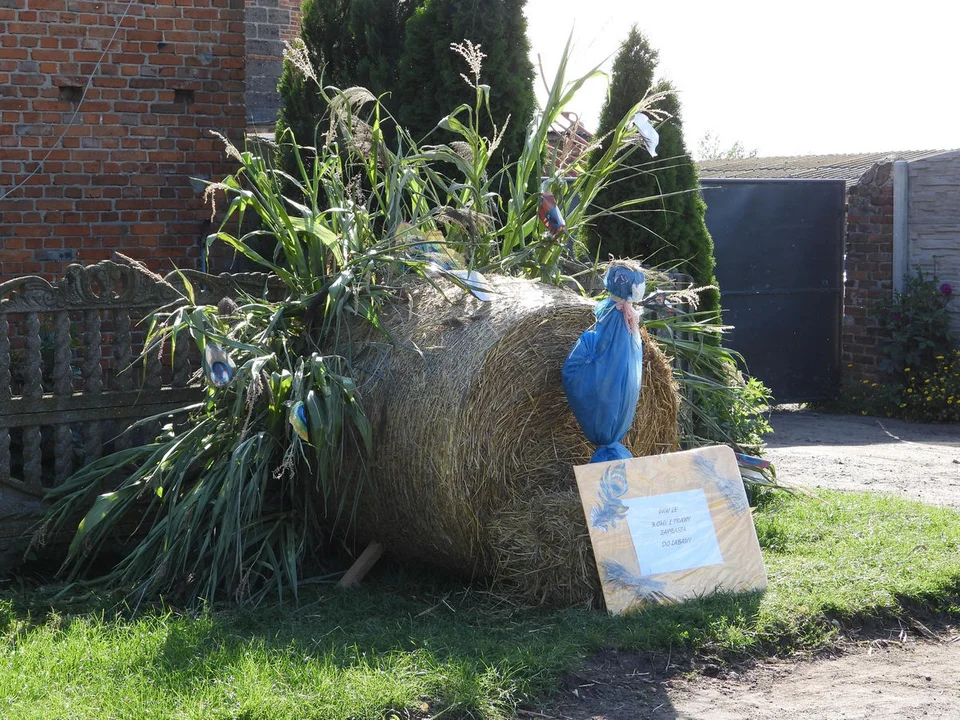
(409, 643)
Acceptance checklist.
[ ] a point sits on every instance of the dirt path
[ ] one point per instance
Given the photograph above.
(903, 677)
(920, 462)
(900, 678)
(906, 681)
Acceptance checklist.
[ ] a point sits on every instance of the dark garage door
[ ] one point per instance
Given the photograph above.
(779, 249)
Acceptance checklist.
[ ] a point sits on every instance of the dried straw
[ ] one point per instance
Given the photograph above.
(475, 442)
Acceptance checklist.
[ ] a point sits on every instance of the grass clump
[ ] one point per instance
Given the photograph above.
(411, 644)
(856, 556)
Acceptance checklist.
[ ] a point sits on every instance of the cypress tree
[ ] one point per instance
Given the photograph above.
(353, 42)
(632, 77)
(670, 231)
(378, 28)
(331, 48)
(430, 83)
(682, 223)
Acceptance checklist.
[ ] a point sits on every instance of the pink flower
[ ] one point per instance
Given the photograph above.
(946, 289)
(896, 316)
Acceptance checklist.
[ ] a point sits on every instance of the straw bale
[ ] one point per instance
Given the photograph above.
(474, 440)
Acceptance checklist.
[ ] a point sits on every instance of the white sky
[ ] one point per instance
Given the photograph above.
(795, 78)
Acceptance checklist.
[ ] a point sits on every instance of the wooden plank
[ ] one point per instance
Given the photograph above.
(363, 564)
(54, 409)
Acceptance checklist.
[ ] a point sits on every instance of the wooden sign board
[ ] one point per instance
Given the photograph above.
(669, 527)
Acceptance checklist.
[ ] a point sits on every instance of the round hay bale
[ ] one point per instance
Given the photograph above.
(474, 442)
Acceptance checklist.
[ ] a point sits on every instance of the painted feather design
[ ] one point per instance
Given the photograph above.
(731, 490)
(619, 577)
(608, 510)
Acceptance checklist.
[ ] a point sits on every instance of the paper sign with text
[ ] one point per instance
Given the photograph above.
(672, 532)
(669, 527)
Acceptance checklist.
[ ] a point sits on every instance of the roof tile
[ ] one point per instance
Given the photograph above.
(849, 167)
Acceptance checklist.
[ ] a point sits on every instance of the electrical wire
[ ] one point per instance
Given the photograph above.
(79, 104)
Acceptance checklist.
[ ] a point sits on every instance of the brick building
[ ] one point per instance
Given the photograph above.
(269, 23)
(106, 110)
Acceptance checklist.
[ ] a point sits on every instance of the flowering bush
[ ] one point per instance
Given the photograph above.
(932, 394)
(921, 360)
(916, 327)
(925, 394)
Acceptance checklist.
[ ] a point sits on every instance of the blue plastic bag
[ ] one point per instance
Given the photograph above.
(603, 372)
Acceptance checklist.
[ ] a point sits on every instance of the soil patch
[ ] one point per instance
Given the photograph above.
(897, 675)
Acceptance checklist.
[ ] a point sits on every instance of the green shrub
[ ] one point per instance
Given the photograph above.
(921, 361)
(915, 327)
(924, 395)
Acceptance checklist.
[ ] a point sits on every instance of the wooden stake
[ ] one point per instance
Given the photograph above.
(362, 565)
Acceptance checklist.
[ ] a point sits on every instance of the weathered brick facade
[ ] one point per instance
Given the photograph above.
(292, 28)
(120, 178)
(868, 270)
(269, 24)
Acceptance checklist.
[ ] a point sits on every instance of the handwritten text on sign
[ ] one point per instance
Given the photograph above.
(672, 532)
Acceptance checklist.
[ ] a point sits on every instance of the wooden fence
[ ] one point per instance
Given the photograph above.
(72, 378)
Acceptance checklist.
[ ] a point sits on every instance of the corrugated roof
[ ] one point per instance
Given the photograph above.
(849, 167)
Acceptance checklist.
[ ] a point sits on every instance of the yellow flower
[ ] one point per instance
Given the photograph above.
(909, 390)
(903, 405)
(863, 412)
(926, 381)
(939, 357)
(928, 398)
(874, 385)
(906, 369)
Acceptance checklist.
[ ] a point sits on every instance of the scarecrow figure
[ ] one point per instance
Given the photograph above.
(603, 372)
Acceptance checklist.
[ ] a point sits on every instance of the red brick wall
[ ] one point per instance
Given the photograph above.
(869, 270)
(120, 179)
(292, 29)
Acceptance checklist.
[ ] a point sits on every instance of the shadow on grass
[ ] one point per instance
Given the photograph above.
(931, 615)
(475, 648)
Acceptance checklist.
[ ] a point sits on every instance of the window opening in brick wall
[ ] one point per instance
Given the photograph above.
(71, 93)
(183, 97)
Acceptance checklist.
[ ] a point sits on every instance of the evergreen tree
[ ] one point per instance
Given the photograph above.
(632, 77)
(670, 231)
(402, 47)
(378, 27)
(430, 83)
(331, 48)
(353, 42)
(682, 223)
